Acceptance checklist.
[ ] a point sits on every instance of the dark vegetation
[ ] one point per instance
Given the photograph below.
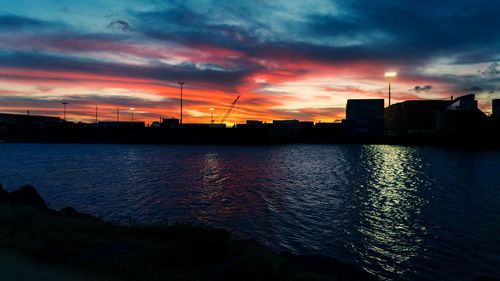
(108, 251)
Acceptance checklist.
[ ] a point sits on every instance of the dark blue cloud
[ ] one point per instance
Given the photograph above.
(10, 22)
(222, 79)
(406, 33)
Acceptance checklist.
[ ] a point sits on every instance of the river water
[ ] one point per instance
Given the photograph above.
(400, 212)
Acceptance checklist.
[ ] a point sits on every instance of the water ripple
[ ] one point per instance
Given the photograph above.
(403, 213)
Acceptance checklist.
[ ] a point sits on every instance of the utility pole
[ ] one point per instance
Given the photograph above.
(180, 119)
(117, 115)
(389, 76)
(64, 103)
(96, 114)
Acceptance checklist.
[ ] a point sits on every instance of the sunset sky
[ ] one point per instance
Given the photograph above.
(287, 59)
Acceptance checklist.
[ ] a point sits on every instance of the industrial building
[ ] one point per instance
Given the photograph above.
(495, 110)
(171, 123)
(462, 117)
(364, 117)
(416, 117)
(121, 124)
(31, 121)
(434, 117)
(252, 124)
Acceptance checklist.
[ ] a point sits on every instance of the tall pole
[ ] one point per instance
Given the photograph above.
(96, 114)
(64, 103)
(389, 91)
(389, 76)
(117, 115)
(211, 115)
(180, 119)
(132, 110)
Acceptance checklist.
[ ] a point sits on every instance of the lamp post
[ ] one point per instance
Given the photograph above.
(64, 103)
(211, 115)
(389, 76)
(180, 119)
(132, 110)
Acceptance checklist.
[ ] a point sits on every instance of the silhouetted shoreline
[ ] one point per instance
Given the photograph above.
(72, 240)
(229, 136)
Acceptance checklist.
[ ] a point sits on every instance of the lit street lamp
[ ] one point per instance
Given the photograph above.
(389, 76)
(180, 119)
(132, 110)
(64, 103)
(212, 115)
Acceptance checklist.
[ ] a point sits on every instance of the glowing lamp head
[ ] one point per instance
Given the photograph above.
(132, 108)
(390, 74)
(211, 109)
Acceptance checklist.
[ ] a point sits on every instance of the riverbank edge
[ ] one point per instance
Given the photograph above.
(72, 240)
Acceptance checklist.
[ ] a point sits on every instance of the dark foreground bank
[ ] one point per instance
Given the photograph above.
(69, 240)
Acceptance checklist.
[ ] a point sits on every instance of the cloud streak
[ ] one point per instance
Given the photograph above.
(296, 60)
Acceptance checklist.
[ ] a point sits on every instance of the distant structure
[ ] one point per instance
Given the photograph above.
(252, 124)
(434, 117)
(416, 117)
(171, 123)
(203, 125)
(281, 129)
(463, 103)
(364, 117)
(462, 117)
(495, 110)
(121, 125)
(28, 121)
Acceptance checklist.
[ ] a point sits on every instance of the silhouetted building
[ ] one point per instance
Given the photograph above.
(284, 129)
(417, 117)
(306, 125)
(364, 117)
(364, 109)
(122, 125)
(495, 110)
(462, 117)
(32, 121)
(170, 123)
(195, 125)
(328, 129)
(203, 125)
(218, 125)
(252, 124)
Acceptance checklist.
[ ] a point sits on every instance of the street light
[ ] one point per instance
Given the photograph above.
(132, 110)
(64, 103)
(212, 115)
(389, 76)
(180, 119)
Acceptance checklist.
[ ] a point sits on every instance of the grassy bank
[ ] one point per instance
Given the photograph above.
(107, 251)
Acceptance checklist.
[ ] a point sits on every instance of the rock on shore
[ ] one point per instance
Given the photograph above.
(73, 240)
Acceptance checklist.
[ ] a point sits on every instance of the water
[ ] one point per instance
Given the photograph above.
(402, 213)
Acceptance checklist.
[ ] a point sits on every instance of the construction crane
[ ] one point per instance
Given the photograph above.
(229, 109)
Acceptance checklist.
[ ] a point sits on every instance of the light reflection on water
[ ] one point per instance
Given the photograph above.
(389, 216)
(411, 213)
